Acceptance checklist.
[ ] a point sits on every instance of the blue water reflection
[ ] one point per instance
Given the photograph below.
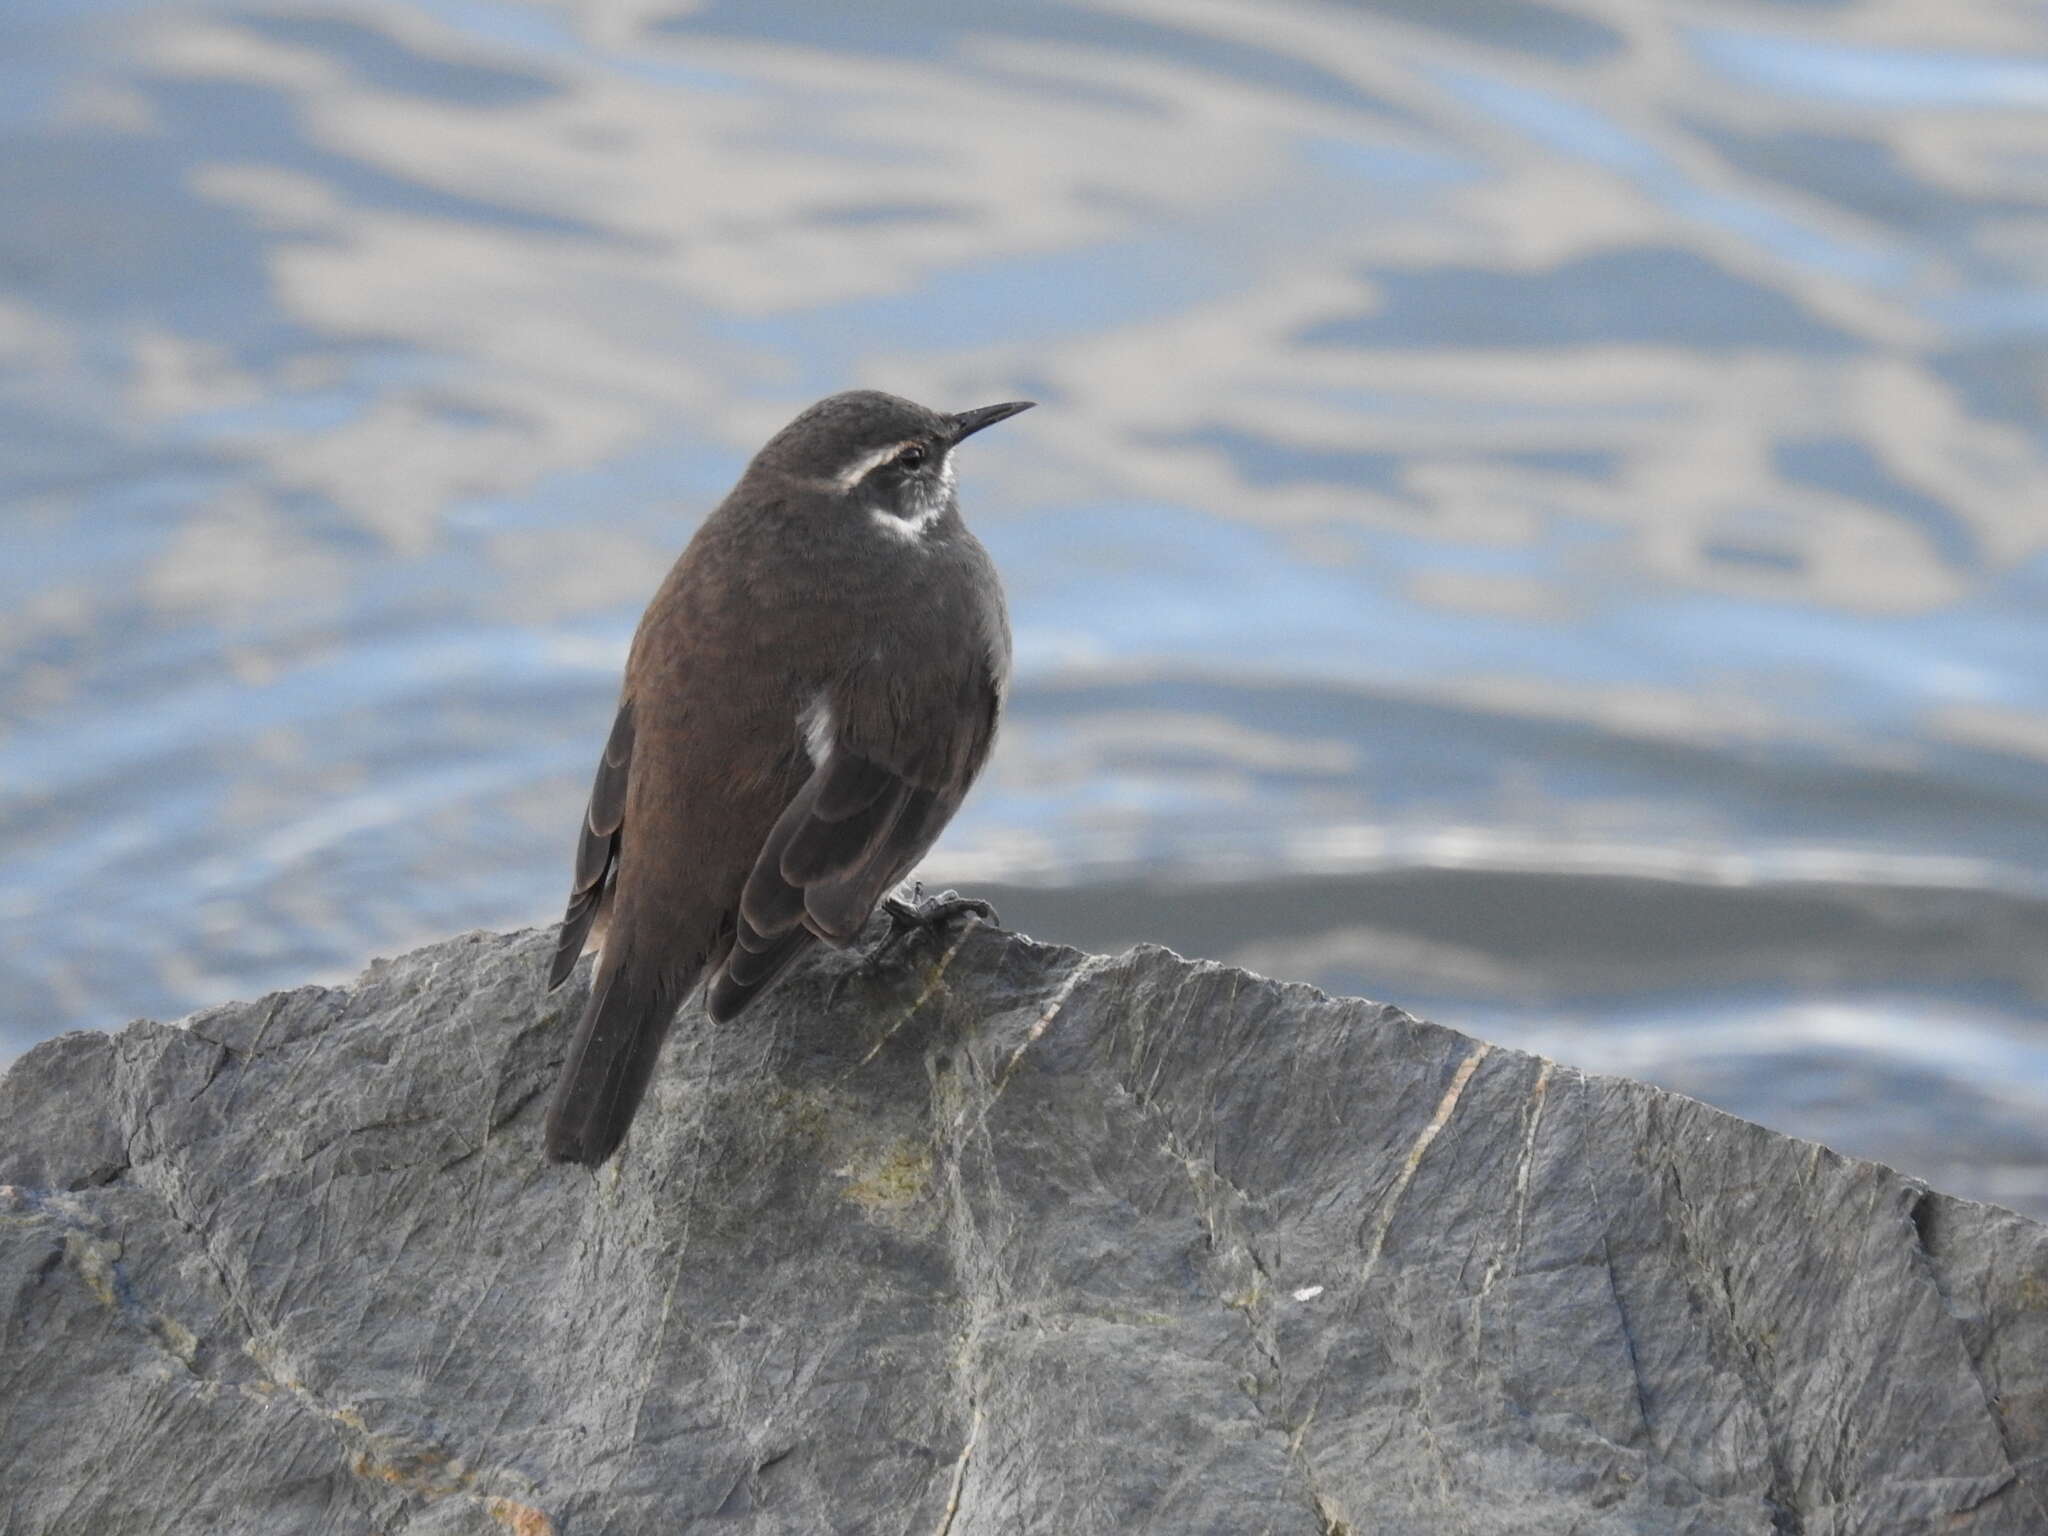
(1846, 73)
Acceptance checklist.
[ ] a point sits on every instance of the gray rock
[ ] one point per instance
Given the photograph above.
(1016, 1240)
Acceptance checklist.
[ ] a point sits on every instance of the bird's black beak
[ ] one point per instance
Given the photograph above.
(967, 423)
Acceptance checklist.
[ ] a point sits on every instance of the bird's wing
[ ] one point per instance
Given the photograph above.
(597, 845)
(860, 823)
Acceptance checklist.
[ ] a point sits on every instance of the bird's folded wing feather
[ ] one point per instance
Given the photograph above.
(865, 816)
(597, 845)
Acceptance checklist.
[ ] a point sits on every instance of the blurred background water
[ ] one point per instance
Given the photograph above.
(1539, 511)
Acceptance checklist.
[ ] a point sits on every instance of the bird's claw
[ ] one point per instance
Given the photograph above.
(928, 914)
(920, 915)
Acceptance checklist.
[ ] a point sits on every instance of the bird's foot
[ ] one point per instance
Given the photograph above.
(927, 914)
(916, 917)
(922, 916)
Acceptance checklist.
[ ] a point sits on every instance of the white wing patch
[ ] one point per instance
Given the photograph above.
(815, 724)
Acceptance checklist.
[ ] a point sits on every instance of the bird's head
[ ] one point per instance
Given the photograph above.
(890, 458)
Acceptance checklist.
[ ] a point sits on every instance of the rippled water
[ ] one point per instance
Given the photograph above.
(1539, 512)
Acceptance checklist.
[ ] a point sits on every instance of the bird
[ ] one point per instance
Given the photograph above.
(806, 701)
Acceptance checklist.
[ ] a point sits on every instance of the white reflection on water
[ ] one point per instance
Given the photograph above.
(1966, 1088)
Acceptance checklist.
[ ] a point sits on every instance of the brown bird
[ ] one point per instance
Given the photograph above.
(807, 699)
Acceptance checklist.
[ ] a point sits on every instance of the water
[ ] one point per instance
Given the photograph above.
(1538, 513)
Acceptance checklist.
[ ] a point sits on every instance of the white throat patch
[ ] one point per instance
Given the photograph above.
(930, 508)
(911, 530)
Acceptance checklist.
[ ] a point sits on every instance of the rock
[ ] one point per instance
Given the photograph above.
(1018, 1240)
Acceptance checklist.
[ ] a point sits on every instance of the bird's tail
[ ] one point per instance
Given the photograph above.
(611, 1061)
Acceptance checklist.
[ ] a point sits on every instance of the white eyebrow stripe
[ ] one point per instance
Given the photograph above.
(860, 468)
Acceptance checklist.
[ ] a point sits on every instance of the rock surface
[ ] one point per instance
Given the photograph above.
(1017, 1240)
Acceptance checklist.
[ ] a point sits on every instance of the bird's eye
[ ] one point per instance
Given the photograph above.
(911, 457)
